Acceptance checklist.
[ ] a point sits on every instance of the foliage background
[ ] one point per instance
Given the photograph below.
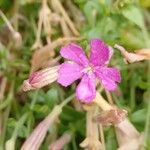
(126, 22)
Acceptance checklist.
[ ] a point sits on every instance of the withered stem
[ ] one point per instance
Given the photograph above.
(102, 137)
(66, 17)
(109, 97)
(101, 102)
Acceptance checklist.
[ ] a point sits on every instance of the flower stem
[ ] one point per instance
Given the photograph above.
(34, 99)
(67, 100)
(7, 22)
(6, 115)
(102, 136)
(10, 144)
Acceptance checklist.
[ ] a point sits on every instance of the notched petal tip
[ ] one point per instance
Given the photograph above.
(75, 53)
(99, 52)
(109, 77)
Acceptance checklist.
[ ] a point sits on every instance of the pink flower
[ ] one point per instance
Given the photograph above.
(89, 70)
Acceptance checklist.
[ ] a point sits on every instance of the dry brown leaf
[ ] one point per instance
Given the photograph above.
(40, 57)
(113, 116)
(51, 62)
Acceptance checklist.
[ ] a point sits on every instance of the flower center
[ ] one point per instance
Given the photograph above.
(88, 69)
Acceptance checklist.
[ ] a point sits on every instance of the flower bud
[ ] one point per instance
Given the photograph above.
(143, 54)
(34, 141)
(128, 137)
(41, 78)
(61, 142)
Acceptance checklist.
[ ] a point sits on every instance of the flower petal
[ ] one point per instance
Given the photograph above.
(99, 52)
(86, 91)
(75, 53)
(108, 77)
(68, 73)
(111, 52)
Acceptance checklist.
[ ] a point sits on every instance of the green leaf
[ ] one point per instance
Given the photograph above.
(138, 116)
(70, 114)
(144, 85)
(111, 143)
(91, 9)
(23, 132)
(40, 109)
(134, 14)
(52, 97)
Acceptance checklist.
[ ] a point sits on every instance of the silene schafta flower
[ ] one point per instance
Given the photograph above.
(79, 66)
